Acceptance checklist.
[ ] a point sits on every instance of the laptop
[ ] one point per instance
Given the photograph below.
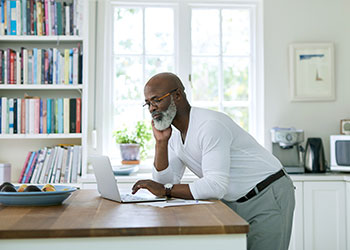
(107, 184)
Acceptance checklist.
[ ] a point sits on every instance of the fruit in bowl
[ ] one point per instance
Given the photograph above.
(22, 187)
(7, 187)
(48, 188)
(32, 188)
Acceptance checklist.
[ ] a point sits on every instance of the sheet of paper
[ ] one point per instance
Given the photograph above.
(173, 203)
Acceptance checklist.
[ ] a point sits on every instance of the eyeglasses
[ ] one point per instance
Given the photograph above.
(155, 102)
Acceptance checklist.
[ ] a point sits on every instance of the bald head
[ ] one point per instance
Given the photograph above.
(165, 81)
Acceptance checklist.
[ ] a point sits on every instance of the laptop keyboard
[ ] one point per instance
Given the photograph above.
(130, 197)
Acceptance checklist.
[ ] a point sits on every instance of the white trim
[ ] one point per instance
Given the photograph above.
(42, 86)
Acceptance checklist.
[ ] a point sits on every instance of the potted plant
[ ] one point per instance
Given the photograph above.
(132, 142)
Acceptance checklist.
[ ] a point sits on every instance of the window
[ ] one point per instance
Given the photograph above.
(211, 47)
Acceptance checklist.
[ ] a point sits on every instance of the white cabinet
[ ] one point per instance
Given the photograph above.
(348, 214)
(324, 215)
(297, 237)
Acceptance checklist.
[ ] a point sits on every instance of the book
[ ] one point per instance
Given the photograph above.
(4, 108)
(63, 165)
(66, 115)
(13, 17)
(31, 169)
(36, 115)
(0, 114)
(19, 15)
(45, 166)
(27, 115)
(15, 115)
(31, 116)
(41, 120)
(49, 168)
(44, 117)
(18, 68)
(39, 13)
(48, 117)
(24, 167)
(52, 165)
(66, 66)
(25, 66)
(19, 115)
(11, 120)
(28, 167)
(78, 115)
(23, 116)
(75, 164)
(72, 115)
(60, 115)
(39, 165)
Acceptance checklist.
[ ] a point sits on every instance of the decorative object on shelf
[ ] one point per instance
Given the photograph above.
(5, 172)
(312, 72)
(133, 142)
(345, 127)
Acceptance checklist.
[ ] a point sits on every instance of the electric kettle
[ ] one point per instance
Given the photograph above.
(314, 159)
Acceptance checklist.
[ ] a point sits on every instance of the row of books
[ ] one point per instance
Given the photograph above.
(41, 17)
(41, 66)
(34, 115)
(60, 164)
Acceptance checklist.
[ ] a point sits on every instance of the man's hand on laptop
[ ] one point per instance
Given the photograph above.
(154, 187)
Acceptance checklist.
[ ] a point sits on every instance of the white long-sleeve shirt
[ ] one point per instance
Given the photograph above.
(227, 160)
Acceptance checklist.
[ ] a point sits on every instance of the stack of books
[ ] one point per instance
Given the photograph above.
(60, 164)
(41, 66)
(34, 115)
(41, 17)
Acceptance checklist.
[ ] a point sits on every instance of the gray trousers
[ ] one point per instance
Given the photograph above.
(270, 215)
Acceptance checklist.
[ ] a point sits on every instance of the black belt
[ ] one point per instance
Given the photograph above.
(261, 186)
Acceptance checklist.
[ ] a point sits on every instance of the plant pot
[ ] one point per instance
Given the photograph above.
(130, 152)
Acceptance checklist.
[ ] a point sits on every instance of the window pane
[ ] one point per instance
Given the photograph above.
(126, 115)
(235, 32)
(235, 79)
(159, 23)
(239, 115)
(158, 64)
(128, 84)
(128, 30)
(205, 32)
(205, 79)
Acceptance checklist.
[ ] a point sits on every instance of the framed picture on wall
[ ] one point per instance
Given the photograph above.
(312, 72)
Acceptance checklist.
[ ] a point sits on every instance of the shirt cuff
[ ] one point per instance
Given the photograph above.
(164, 176)
(193, 190)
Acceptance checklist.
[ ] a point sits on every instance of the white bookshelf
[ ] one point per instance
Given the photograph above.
(40, 87)
(15, 147)
(41, 136)
(41, 39)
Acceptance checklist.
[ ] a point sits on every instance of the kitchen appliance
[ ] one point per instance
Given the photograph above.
(340, 153)
(286, 147)
(314, 156)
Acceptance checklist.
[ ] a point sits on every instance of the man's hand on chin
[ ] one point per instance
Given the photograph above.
(163, 135)
(154, 187)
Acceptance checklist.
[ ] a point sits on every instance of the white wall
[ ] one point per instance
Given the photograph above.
(290, 21)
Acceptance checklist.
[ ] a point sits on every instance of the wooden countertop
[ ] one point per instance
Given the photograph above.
(86, 214)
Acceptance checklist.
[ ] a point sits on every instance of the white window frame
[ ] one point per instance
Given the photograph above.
(105, 143)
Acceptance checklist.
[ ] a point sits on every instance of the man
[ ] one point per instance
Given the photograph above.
(230, 164)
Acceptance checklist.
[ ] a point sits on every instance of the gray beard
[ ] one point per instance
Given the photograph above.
(166, 117)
